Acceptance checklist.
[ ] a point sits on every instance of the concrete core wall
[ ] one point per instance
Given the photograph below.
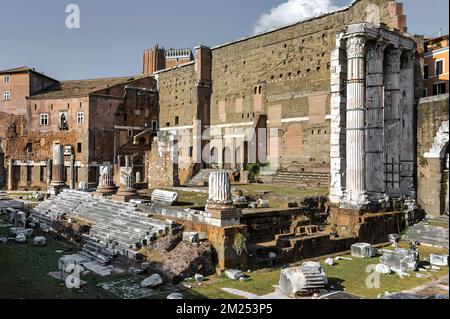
(432, 145)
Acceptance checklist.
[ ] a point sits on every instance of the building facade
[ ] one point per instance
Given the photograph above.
(95, 120)
(270, 98)
(435, 68)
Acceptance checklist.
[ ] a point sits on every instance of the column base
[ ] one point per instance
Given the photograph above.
(104, 192)
(55, 189)
(354, 200)
(125, 195)
(226, 216)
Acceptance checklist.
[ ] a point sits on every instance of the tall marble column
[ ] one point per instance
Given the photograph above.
(374, 140)
(49, 172)
(127, 179)
(220, 204)
(392, 121)
(355, 193)
(407, 141)
(58, 178)
(72, 171)
(10, 175)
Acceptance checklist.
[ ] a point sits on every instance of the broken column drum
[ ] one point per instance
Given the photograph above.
(126, 179)
(106, 184)
(127, 188)
(220, 203)
(58, 178)
(219, 190)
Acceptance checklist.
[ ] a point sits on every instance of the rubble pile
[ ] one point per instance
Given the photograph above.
(363, 250)
(400, 260)
(188, 259)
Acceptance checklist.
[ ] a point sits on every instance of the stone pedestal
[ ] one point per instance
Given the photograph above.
(106, 185)
(58, 179)
(127, 189)
(220, 203)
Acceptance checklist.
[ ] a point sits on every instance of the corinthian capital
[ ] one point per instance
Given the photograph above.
(356, 46)
(393, 57)
(375, 50)
(407, 59)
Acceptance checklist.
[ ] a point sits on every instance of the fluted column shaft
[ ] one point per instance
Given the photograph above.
(392, 121)
(106, 177)
(219, 187)
(407, 158)
(126, 179)
(10, 175)
(374, 140)
(355, 120)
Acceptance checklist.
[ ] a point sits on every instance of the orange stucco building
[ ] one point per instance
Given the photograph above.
(435, 69)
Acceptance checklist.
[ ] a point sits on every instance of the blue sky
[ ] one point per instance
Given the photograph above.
(114, 33)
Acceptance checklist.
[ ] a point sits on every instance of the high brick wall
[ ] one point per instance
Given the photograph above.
(177, 93)
(284, 75)
(432, 143)
(112, 117)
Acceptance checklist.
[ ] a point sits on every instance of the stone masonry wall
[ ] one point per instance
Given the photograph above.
(283, 75)
(432, 142)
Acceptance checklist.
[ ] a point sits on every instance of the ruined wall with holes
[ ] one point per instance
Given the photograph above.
(285, 75)
(177, 93)
(432, 143)
(111, 119)
(162, 163)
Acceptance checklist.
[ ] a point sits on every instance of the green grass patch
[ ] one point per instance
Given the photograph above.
(259, 283)
(348, 275)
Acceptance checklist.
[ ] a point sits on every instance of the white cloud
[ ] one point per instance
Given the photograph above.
(291, 12)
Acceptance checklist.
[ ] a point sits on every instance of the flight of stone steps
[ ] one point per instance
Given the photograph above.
(201, 178)
(428, 234)
(117, 228)
(305, 179)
